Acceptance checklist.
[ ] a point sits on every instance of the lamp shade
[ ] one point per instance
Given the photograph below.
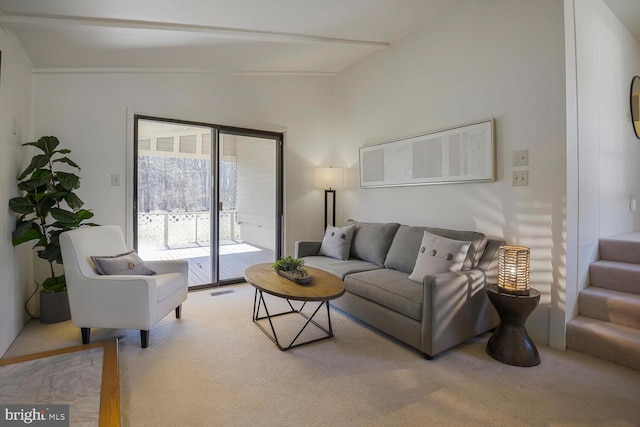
(513, 270)
(330, 178)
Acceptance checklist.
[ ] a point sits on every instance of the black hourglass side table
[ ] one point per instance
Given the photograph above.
(510, 343)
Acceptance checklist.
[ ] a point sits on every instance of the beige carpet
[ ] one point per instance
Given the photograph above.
(214, 367)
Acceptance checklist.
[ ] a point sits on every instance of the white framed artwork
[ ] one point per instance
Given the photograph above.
(461, 154)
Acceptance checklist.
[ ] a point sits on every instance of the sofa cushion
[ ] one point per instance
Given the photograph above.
(389, 288)
(438, 254)
(339, 268)
(336, 242)
(406, 243)
(371, 241)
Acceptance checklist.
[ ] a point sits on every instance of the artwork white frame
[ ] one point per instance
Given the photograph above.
(457, 155)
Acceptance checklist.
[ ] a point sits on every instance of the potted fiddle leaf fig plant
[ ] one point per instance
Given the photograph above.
(48, 206)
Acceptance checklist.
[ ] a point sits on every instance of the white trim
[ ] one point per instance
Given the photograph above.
(128, 177)
(572, 190)
(16, 43)
(217, 32)
(179, 71)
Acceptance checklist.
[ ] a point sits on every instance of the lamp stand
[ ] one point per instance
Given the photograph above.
(326, 207)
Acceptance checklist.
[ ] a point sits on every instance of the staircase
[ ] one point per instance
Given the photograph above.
(608, 324)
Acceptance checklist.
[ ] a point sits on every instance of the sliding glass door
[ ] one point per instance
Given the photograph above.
(208, 194)
(248, 198)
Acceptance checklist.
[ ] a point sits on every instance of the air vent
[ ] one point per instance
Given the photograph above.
(218, 293)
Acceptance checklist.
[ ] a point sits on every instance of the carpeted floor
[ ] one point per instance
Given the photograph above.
(214, 367)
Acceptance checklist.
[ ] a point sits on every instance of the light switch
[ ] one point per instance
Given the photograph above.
(521, 158)
(520, 178)
(115, 179)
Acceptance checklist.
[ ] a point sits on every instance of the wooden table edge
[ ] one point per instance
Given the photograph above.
(312, 270)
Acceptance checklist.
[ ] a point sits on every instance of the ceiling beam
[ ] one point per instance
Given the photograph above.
(179, 71)
(65, 22)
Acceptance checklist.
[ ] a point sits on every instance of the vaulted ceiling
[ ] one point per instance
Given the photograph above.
(261, 36)
(251, 36)
(628, 12)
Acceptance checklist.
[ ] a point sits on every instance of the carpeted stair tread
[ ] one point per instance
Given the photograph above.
(621, 249)
(618, 276)
(621, 308)
(615, 343)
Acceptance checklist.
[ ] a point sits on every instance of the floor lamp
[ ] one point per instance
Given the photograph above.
(330, 179)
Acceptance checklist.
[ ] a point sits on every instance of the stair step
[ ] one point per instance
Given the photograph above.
(615, 343)
(610, 306)
(618, 276)
(625, 248)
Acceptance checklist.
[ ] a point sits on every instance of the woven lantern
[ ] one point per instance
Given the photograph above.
(513, 270)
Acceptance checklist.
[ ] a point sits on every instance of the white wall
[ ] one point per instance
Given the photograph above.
(91, 113)
(16, 278)
(500, 59)
(607, 152)
(618, 59)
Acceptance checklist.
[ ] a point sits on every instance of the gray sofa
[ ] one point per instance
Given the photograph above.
(444, 310)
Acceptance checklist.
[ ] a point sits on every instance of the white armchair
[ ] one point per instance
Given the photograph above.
(118, 301)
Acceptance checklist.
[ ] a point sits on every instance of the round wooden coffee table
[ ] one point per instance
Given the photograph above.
(322, 288)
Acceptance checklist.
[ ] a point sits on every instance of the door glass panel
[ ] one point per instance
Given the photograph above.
(247, 194)
(174, 195)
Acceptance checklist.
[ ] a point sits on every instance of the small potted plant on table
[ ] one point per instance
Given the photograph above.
(293, 269)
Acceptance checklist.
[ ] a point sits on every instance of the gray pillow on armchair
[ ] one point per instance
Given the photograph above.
(126, 263)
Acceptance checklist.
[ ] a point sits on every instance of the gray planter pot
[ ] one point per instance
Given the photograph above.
(54, 307)
(300, 280)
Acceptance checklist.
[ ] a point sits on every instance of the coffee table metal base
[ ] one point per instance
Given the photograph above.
(259, 302)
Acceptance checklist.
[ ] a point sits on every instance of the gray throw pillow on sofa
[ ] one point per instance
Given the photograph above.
(437, 255)
(336, 242)
(403, 250)
(126, 263)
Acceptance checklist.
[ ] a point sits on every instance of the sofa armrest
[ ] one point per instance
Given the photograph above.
(456, 308)
(307, 248)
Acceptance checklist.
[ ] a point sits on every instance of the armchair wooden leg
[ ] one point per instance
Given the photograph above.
(86, 335)
(178, 311)
(144, 338)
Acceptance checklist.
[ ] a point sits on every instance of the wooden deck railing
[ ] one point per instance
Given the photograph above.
(176, 229)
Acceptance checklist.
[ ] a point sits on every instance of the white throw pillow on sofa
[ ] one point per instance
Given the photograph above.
(337, 242)
(438, 255)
